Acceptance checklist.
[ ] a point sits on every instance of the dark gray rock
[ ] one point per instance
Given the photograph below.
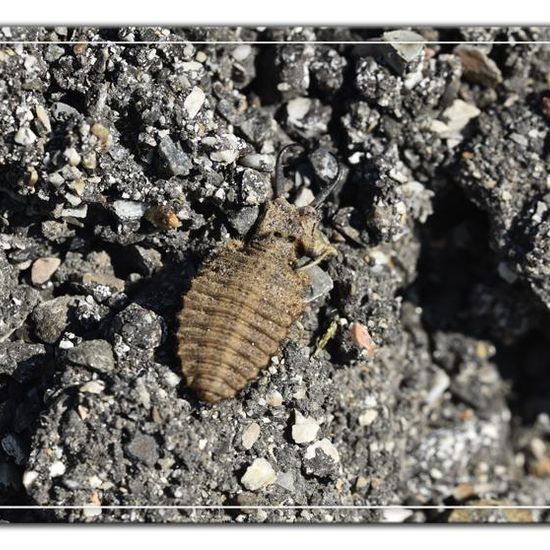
(96, 355)
(16, 301)
(138, 327)
(51, 318)
(143, 448)
(23, 361)
(176, 161)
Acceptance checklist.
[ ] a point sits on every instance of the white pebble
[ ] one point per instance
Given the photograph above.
(25, 136)
(265, 163)
(304, 429)
(304, 197)
(43, 269)
(250, 435)
(440, 384)
(129, 210)
(286, 481)
(258, 475)
(71, 156)
(80, 212)
(65, 344)
(227, 156)
(42, 116)
(274, 399)
(91, 511)
(172, 379)
(368, 417)
(94, 386)
(95, 482)
(326, 446)
(241, 52)
(297, 108)
(57, 469)
(395, 515)
(193, 102)
(29, 477)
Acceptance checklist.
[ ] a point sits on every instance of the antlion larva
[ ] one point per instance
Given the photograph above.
(243, 301)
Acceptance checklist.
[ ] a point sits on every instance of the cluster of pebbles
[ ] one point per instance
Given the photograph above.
(418, 374)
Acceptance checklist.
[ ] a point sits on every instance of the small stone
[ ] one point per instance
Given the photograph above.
(29, 477)
(80, 48)
(96, 355)
(43, 269)
(440, 384)
(177, 162)
(406, 48)
(102, 133)
(43, 118)
(61, 111)
(129, 210)
(320, 283)
(477, 67)
(172, 379)
(286, 481)
(368, 417)
(274, 399)
(227, 156)
(57, 469)
(103, 279)
(91, 510)
(25, 136)
(201, 57)
(83, 412)
(506, 273)
(321, 459)
(94, 387)
(53, 52)
(243, 219)
(304, 429)
(361, 337)
(258, 475)
(250, 435)
(71, 156)
(304, 197)
(361, 482)
(194, 101)
(395, 515)
(263, 163)
(31, 177)
(241, 52)
(298, 108)
(12, 446)
(455, 118)
(143, 448)
(139, 327)
(81, 212)
(51, 318)
(89, 161)
(22, 361)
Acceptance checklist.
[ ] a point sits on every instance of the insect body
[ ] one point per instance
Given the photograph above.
(242, 303)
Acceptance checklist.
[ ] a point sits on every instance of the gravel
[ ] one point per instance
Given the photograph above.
(418, 371)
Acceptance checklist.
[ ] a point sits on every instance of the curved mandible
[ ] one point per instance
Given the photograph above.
(328, 189)
(279, 176)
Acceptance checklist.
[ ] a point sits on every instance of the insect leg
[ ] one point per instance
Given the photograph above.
(279, 167)
(328, 189)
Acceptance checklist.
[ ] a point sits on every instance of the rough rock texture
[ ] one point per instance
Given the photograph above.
(131, 164)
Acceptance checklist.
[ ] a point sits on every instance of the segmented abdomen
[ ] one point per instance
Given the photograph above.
(235, 316)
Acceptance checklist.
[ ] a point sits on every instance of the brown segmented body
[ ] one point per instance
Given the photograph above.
(242, 303)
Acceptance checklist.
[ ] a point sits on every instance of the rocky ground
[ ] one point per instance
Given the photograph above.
(419, 373)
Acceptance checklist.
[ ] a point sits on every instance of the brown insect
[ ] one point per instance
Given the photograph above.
(244, 300)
